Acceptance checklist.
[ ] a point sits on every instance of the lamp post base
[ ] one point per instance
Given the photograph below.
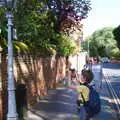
(12, 117)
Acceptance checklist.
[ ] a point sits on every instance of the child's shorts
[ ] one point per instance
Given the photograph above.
(82, 114)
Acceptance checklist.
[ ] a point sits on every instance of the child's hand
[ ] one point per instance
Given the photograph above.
(72, 86)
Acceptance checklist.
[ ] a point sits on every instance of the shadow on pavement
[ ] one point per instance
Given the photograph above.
(60, 104)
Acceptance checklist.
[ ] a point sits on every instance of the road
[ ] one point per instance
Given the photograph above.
(111, 73)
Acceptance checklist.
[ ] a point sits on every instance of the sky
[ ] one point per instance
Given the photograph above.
(104, 13)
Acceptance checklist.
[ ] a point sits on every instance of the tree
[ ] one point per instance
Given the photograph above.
(116, 33)
(38, 22)
(101, 42)
(17, 45)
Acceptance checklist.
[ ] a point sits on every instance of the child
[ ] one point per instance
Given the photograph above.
(83, 91)
(73, 77)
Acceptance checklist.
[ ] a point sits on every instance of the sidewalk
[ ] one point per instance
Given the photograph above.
(60, 104)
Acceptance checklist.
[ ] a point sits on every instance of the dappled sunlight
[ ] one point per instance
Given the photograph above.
(107, 109)
(64, 95)
(62, 116)
(112, 81)
(107, 99)
(58, 102)
(111, 101)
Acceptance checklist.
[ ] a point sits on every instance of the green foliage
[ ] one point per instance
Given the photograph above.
(101, 42)
(66, 46)
(3, 43)
(116, 33)
(42, 48)
(37, 26)
(20, 47)
(85, 44)
(116, 53)
(3, 24)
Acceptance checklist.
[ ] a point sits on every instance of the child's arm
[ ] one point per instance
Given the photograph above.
(73, 87)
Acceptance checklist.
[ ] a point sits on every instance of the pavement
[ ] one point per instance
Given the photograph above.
(60, 103)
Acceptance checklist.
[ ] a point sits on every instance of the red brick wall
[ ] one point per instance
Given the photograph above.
(1, 106)
(38, 74)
